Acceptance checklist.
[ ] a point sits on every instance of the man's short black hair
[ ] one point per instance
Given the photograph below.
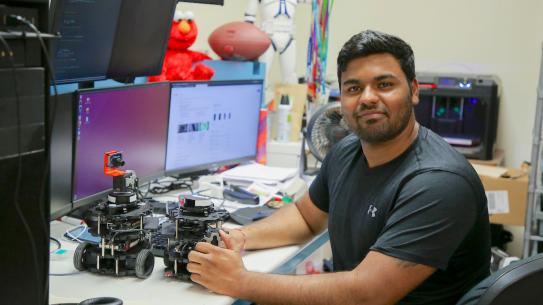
(373, 42)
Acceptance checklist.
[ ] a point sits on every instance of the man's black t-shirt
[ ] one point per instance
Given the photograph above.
(426, 206)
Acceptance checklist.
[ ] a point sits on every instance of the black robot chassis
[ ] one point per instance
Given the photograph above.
(124, 247)
(195, 221)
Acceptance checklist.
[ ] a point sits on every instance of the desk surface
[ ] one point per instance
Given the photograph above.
(156, 289)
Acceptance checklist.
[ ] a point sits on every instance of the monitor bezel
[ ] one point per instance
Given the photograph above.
(61, 187)
(211, 167)
(97, 197)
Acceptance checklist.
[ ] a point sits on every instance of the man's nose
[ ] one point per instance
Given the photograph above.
(368, 96)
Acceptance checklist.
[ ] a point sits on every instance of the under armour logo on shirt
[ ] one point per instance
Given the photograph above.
(372, 210)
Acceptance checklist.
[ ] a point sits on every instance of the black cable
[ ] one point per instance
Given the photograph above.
(139, 195)
(64, 274)
(174, 185)
(59, 245)
(161, 189)
(180, 183)
(148, 187)
(188, 186)
(49, 130)
(19, 168)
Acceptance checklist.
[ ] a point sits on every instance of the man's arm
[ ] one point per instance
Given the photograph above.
(289, 225)
(378, 279)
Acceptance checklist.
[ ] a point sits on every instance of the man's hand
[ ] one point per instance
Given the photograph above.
(219, 270)
(234, 240)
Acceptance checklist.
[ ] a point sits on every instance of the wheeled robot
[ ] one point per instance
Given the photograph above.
(195, 221)
(124, 248)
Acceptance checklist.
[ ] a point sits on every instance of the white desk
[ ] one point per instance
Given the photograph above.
(156, 289)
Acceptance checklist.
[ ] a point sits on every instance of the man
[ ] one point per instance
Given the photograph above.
(406, 213)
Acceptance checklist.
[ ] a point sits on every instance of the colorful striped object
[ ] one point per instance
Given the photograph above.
(261, 152)
(318, 49)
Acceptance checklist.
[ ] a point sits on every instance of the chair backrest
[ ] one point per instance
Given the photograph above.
(519, 283)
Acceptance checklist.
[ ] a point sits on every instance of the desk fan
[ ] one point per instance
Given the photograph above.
(325, 128)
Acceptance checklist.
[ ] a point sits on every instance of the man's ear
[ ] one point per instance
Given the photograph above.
(415, 92)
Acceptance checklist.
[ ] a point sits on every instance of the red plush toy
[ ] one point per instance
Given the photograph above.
(180, 63)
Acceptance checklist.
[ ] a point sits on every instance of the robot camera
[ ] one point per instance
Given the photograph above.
(116, 160)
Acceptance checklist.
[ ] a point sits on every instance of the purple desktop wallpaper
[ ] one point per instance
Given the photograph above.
(128, 119)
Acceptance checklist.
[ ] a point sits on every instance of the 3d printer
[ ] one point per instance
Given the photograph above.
(124, 245)
(195, 221)
(461, 108)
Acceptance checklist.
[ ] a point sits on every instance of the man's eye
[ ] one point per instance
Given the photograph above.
(383, 85)
(353, 89)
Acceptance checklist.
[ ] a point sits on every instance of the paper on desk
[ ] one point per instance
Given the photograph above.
(259, 172)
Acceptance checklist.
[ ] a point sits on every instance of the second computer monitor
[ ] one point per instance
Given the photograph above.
(212, 124)
(131, 119)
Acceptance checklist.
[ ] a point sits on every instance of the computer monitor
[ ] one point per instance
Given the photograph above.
(130, 119)
(212, 124)
(83, 51)
(109, 39)
(143, 30)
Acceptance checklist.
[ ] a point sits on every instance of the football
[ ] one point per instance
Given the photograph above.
(239, 41)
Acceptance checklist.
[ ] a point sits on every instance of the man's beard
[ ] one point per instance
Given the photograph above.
(382, 131)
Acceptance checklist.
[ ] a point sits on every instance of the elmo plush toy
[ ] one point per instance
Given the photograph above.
(180, 63)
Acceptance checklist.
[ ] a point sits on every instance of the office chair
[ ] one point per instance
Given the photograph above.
(519, 283)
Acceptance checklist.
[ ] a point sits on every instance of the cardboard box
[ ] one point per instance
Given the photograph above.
(506, 190)
(497, 160)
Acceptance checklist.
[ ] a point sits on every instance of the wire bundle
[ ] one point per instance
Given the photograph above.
(318, 48)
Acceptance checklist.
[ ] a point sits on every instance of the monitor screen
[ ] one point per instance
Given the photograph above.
(83, 51)
(131, 119)
(109, 39)
(212, 124)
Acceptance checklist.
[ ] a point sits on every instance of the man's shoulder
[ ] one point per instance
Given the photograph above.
(347, 146)
(433, 154)
(432, 150)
